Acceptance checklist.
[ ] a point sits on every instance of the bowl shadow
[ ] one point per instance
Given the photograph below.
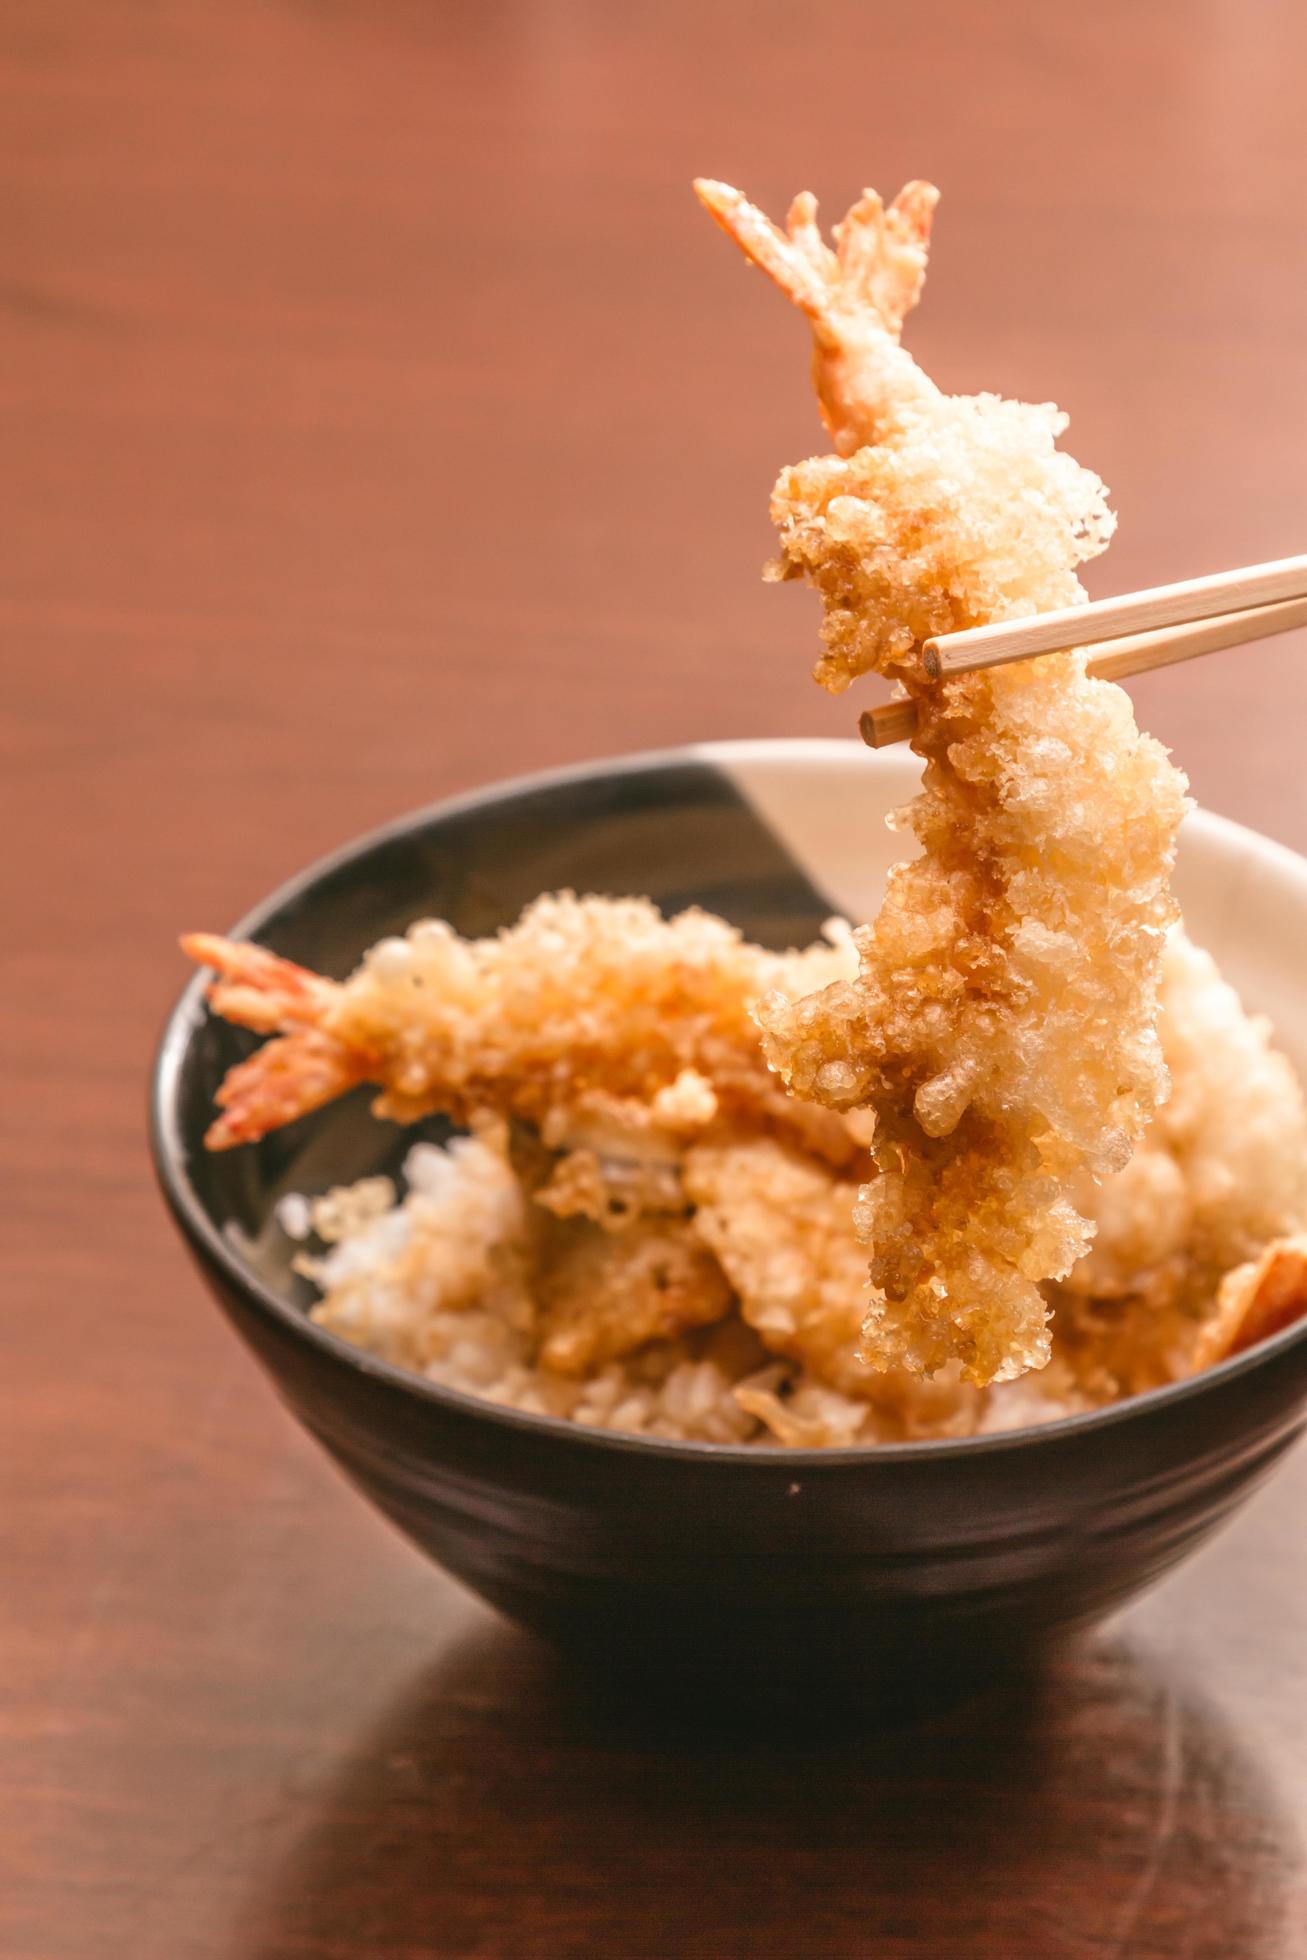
(508, 1805)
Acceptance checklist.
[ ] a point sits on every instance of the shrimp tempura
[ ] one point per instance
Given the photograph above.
(1003, 1024)
(601, 1038)
(616, 1034)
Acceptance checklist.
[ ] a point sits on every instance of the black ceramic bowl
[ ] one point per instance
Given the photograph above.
(735, 1565)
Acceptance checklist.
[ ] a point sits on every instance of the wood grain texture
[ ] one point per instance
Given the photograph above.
(1237, 594)
(380, 415)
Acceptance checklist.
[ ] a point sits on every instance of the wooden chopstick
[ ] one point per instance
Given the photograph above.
(1136, 653)
(1114, 619)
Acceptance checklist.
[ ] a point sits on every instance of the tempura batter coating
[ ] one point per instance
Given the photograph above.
(781, 1225)
(604, 1294)
(1003, 1022)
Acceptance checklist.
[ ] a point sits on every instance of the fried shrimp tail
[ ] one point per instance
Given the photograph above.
(301, 1070)
(856, 296)
(259, 989)
(285, 1079)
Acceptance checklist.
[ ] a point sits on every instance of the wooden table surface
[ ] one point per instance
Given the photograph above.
(381, 416)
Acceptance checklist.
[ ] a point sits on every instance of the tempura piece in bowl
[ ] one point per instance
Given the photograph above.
(597, 1021)
(781, 1225)
(1219, 1176)
(595, 1041)
(1003, 1023)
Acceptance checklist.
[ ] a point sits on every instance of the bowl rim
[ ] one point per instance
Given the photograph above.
(169, 1152)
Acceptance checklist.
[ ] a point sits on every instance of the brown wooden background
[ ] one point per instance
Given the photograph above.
(379, 415)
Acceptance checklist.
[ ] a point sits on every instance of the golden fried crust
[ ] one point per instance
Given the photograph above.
(782, 1227)
(602, 1294)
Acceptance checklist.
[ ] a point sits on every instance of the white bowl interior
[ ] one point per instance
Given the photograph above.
(1244, 898)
